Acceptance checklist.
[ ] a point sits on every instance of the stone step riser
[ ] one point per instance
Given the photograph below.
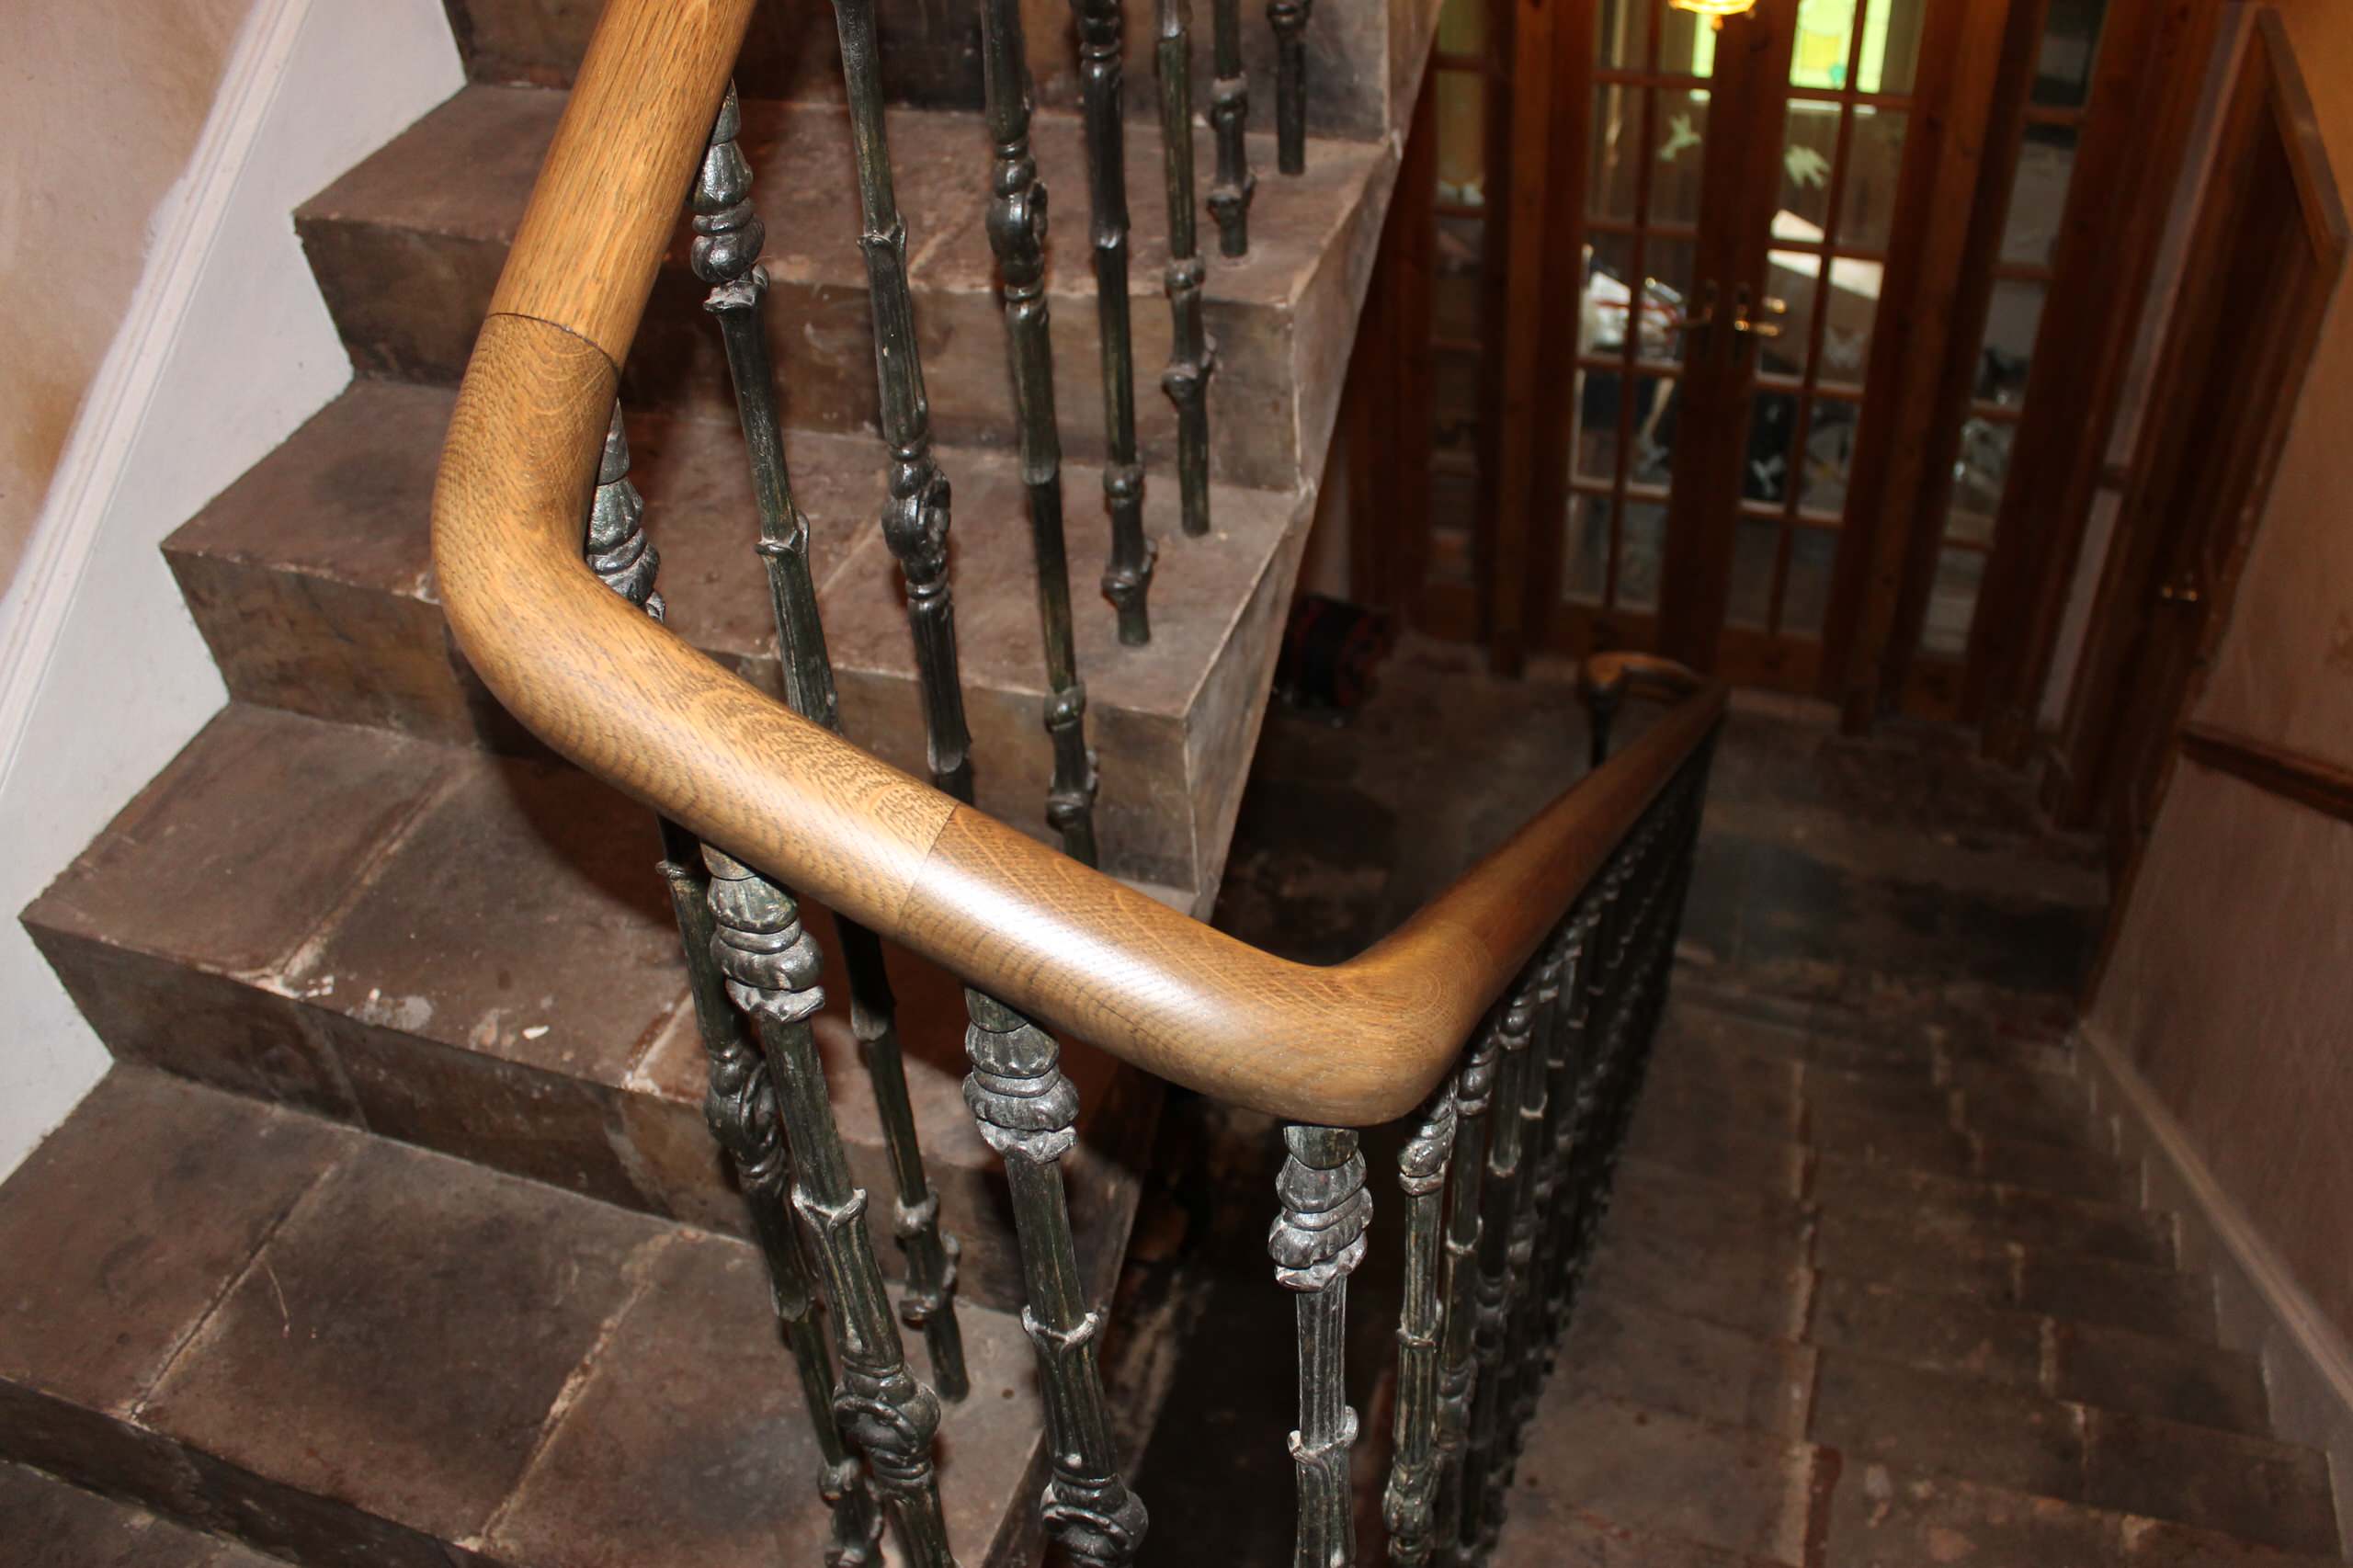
(477, 957)
(406, 259)
(1360, 58)
(311, 581)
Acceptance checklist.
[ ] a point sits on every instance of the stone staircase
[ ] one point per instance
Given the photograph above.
(1872, 1298)
(397, 1237)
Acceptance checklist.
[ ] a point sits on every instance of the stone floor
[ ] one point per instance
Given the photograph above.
(1868, 1297)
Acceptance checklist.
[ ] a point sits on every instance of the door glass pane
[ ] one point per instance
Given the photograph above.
(1824, 43)
(1462, 137)
(1598, 393)
(1890, 57)
(1679, 134)
(1753, 547)
(1792, 277)
(1653, 447)
(1607, 309)
(1687, 43)
(1852, 303)
(1462, 26)
(1621, 32)
(1454, 406)
(1874, 163)
(1584, 557)
(1805, 597)
(1953, 602)
(1642, 548)
(1829, 458)
(2039, 195)
(1611, 171)
(2010, 325)
(1809, 144)
(1454, 306)
(1980, 474)
(2062, 70)
(1667, 298)
(1772, 430)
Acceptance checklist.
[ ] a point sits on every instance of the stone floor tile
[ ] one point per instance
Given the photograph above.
(1543, 1529)
(1718, 1149)
(141, 1210)
(1757, 1279)
(2261, 1491)
(1884, 1517)
(2051, 1167)
(686, 1442)
(1898, 1142)
(1859, 1095)
(2117, 1295)
(1622, 1349)
(2179, 1379)
(399, 1342)
(44, 1523)
(1938, 1333)
(1766, 1087)
(1741, 1491)
(1877, 1412)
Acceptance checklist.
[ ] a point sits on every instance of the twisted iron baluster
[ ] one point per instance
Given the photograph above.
(1536, 1182)
(1316, 1244)
(1128, 578)
(1017, 226)
(616, 546)
(1473, 1092)
(1407, 1504)
(771, 964)
(725, 255)
(1026, 1109)
(1556, 1188)
(1230, 114)
(915, 515)
(1192, 359)
(1498, 1187)
(1289, 20)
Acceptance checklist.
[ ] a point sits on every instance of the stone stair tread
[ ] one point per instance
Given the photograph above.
(474, 954)
(337, 1347)
(48, 1523)
(312, 580)
(441, 201)
(1550, 1531)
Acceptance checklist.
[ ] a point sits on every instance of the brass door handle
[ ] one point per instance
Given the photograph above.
(1765, 331)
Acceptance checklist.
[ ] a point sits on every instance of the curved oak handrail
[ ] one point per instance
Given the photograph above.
(1349, 1045)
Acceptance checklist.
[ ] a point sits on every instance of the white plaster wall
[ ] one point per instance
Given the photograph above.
(227, 349)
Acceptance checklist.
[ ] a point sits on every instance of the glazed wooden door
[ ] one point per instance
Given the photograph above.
(1734, 204)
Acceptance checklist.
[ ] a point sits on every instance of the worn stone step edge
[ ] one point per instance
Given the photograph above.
(1836, 1472)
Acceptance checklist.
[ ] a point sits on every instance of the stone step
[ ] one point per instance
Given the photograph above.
(45, 1523)
(1844, 1495)
(1763, 1251)
(1362, 60)
(2253, 1489)
(311, 578)
(476, 955)
(1900, 1032)
(407, 245)
(338, 1348)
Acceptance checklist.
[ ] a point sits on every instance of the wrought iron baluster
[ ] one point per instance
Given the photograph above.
(1027, 1109)
(740, 1104)
(1473, 1093)
(1192, 359)
(1535, 1184)
(1408, 1503)
(1482, 1490)
(725, 255)
(1017, 226)
(772, 965)
(1316, 1244)
(1289, 20)
(1557, 1195)
(1128, 579)
(1230, 115)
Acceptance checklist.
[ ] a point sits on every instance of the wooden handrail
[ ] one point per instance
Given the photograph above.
(1354, 1044)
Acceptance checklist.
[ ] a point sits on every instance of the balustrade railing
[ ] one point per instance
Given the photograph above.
(1511, 1018)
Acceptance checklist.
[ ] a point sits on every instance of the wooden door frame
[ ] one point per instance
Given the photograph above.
(2267, 97)
(2153, 62)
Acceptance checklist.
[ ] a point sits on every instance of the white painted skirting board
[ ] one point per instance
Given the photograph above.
(2307, 1365)
(225, 349)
